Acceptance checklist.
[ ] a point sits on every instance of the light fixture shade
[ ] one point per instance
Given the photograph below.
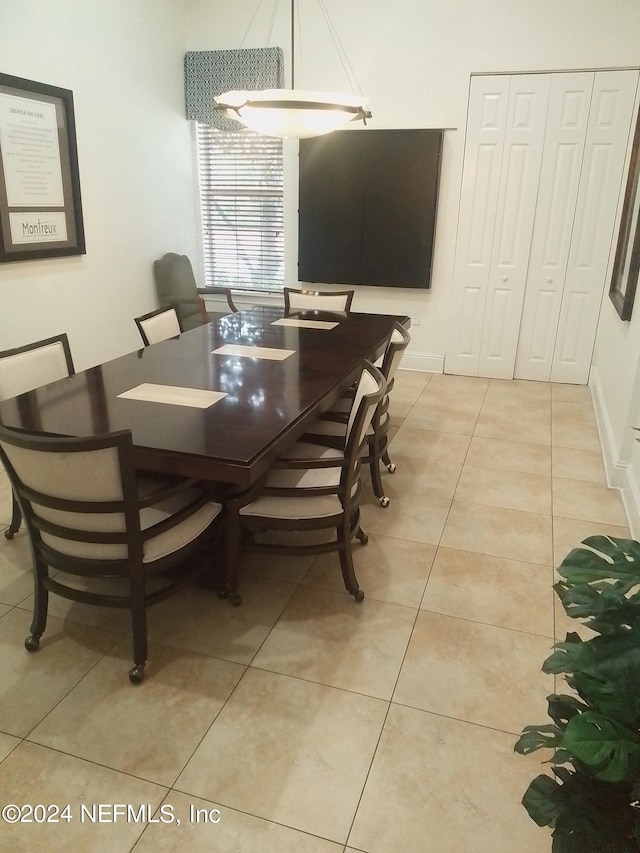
(293, 112)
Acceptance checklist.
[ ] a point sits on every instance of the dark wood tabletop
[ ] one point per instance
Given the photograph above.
(267, 405)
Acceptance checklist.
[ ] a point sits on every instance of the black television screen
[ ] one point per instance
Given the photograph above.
(367, 207)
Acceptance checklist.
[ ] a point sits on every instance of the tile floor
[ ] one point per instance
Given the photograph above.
(310, 722)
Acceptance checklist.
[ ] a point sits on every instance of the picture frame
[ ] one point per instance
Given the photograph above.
(626, 265)
(40, 202)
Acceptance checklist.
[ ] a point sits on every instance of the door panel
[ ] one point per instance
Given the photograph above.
(486, 124)
(567, 117)
(522, 157)
(610, 119)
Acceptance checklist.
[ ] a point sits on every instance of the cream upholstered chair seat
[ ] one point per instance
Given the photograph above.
(159, 325)
(331, 428)
(311, 488)
(29, 367)
(88, 515)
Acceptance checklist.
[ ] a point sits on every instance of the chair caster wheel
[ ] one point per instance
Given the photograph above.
(358, 595)
(384, 501)
(236, 600)
(32, 644)
(136, 674)
(9, 534)
(362, 537)
(391, 468)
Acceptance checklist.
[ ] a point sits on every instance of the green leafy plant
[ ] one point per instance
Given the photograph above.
(592, 801)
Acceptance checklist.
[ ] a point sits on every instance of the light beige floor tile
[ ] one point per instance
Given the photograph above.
(7, 744)
(509, 489)
(499, 532)
(514, 423)
(441, 785)
(492, 590)
(392, 570)
(504, 455)
(573, 413)
(433, 412)
(418, 518)
(451, 669)
(33, 774)
(16, 576)
(570, 393)
(523, 389)
(5, 608)
(420, 477)
(433, 446)
(568, 533)
(33, 683)
(148, 730)
(409, 384)
(454, 387)
(329, 638)
(234, 831)
(574, 464)
(199, 621)
(289, 751)
(582, 436)
(587, 502)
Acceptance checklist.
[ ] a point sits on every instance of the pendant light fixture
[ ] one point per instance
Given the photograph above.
(295, 113)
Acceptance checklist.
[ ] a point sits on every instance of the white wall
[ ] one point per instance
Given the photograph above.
(123, 62)
(413, 60)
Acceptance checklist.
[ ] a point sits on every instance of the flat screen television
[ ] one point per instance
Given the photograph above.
(367, 207)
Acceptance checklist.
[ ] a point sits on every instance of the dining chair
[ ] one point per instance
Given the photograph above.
(313, 488)
(317, 300)
(28, 367)
(90, 515)
(331, 428)
(159, 325)
(177, 288)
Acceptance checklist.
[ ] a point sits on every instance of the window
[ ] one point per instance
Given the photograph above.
(241, 208)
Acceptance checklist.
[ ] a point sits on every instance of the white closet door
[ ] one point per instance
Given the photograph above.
(610, 120)
(486, 123)
(520, 174)
(567, 118)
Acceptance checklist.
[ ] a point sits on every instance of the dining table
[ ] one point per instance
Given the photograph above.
(220, 402)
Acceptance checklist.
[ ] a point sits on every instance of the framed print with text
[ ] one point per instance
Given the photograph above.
(626, 265)
(40, 206)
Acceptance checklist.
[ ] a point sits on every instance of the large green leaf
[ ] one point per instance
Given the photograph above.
(542, 800)
(562, 708)
(612, 750)
(617, 559)
(564, 656)
(538, 737)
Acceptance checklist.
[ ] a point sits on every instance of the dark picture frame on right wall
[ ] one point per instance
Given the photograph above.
(626, 266)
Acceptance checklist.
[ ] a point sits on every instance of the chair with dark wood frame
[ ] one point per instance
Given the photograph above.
(90, 516)
(159, 325)
(28, 367)
(314, 488)
(317, 300)
(330, 429)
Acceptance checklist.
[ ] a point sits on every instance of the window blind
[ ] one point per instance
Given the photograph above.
(241, 207)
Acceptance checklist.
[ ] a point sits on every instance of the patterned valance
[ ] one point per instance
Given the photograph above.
(212, 72)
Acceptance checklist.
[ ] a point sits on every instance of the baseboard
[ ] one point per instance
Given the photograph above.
(619, 474)
(423, 361)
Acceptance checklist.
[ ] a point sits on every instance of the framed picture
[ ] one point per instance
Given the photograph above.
(626, 265)
(40, 207)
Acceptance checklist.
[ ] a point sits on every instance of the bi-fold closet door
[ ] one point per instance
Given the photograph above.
(543, 169)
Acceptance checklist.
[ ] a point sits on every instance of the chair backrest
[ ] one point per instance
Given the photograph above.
(398, 342)
(30, 366)
(315, 300)
(159, 325)
(177, 288)
(369, 392)
(78, 495)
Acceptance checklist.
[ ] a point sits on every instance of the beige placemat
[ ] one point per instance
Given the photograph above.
(304, 324)
(173, 395)
(254, 352)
